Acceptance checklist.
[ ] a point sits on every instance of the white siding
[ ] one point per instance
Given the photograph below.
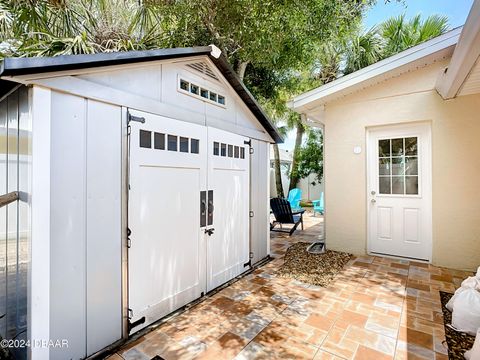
(85, 252)
(259, 201)
(104, 161)
(68, 232)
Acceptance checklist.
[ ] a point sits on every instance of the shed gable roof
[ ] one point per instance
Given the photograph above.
(11, 67)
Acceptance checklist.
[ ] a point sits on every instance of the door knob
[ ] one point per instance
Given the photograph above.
(209, 231)
(373, 192)
(373, 201)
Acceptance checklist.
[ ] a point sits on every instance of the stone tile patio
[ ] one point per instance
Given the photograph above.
(377, 308)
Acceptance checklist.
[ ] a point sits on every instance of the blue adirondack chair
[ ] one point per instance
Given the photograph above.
(318, 205)
(294, 197)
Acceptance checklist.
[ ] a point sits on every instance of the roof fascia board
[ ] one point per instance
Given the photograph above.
(464, 57)
(100, 69)
(381, 68)
(17, 66)
(248, 99)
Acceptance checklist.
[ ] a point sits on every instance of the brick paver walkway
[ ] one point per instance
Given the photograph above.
(377, 308)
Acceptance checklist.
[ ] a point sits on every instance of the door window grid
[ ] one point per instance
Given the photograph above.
(398, 166)
(173, 143)
(228, 150)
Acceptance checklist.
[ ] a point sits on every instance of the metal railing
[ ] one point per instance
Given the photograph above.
(8, 198)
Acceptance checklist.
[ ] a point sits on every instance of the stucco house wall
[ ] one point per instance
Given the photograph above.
(455, 125)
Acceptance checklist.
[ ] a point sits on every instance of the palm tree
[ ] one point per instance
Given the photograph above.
(400, 34)
(276, 164)
(64, 27)
(363, 50)
(389, 38)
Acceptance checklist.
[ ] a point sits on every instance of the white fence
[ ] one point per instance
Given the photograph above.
(309, 191)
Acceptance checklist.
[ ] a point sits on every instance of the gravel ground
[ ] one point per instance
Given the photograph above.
(315, 269)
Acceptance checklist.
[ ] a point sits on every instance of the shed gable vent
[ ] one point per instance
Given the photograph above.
(203, 68)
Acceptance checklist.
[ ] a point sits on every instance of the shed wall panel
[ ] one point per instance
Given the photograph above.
(103, 215)
(68, 232)
(12, 214)
(14, 218)
(259, 200)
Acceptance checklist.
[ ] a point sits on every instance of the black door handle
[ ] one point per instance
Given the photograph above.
(209, 231)
(210, 208)
(203, 208)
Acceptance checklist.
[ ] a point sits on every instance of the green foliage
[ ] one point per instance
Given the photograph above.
(310, 158)
(389, 38)
(363, 50)
(400, 34)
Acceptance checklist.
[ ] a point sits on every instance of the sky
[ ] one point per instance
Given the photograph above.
(455, 10)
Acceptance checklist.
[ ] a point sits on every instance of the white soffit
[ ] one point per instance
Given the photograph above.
(462, 75)
(418, 56)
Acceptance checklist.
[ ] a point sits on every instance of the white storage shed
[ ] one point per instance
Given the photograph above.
(143, 184)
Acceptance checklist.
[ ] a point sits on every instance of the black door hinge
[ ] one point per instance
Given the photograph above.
(129, 241)
(249, 263)
(249, 142)
(136, 118)
(134, 324)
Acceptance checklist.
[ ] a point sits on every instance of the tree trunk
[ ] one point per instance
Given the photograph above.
(294, 179)
(242, 67)
(278, 174)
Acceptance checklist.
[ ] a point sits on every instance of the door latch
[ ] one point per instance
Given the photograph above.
(209, 231)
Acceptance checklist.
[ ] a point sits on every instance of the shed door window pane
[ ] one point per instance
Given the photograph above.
(242, 153)
(223, 150)
(230, 150)
(184, 85)
(237, 152)
(183, 144)
(145, 139)
(172, 143)
(194, 146)
(398, 166)
(216, 148)
(194, 89)
(159, 141)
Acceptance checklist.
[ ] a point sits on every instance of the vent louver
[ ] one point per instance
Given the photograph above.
(203, 68)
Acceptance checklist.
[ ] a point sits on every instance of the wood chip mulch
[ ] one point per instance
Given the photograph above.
(315, 269)
(457, 342)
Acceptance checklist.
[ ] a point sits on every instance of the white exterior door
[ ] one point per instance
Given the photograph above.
(168, 172)
(399, 191)
(228, 184)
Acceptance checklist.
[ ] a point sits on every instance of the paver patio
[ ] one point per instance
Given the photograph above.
(376, 308)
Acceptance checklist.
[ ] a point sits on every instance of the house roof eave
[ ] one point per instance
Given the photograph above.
(464, 57)
(430, 50)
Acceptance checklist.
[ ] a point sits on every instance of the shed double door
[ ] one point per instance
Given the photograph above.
(187, 213)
